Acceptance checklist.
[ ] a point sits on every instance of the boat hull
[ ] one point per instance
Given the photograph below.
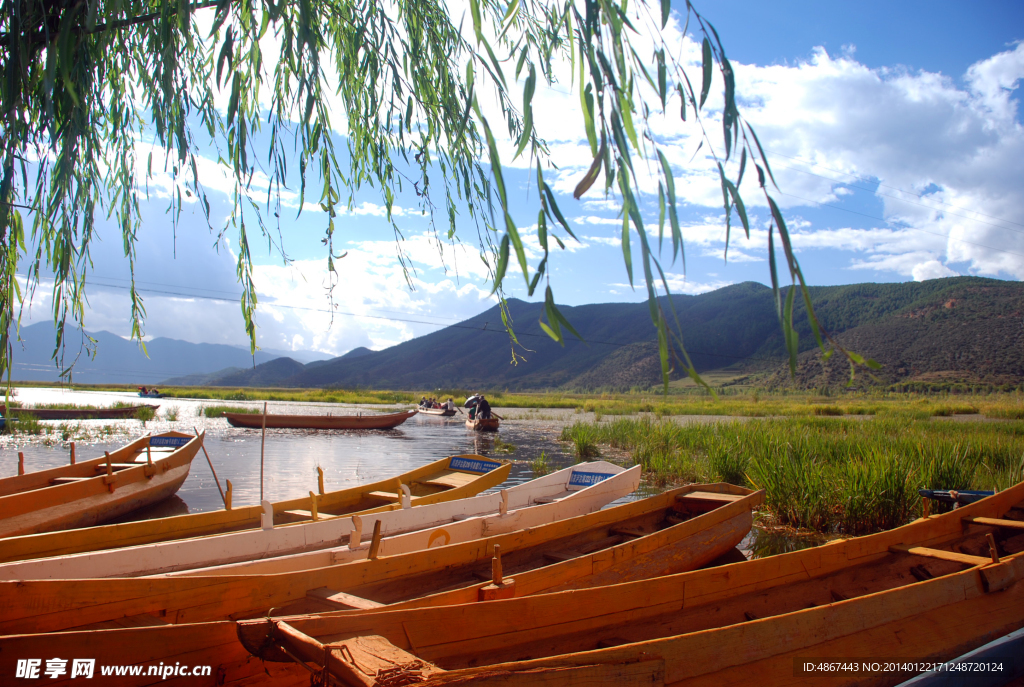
(251, 421)
(482, 425)
(391, 579)
(77, 413)
(437, 412)
(368, 498)
(34, 504)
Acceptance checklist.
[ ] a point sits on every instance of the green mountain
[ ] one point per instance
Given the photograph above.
(958, 329)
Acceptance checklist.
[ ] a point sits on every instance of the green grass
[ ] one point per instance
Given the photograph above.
(215, 411)
(540, 465)
(503, 446)
(826, 474)
(584, 438)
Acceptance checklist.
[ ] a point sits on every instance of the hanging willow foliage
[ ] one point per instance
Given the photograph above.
(83, 80)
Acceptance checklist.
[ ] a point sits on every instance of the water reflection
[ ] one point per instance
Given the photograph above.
(762, 543)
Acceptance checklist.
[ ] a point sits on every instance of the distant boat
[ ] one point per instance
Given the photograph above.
(255, 421)
(440, 412)
(76, 413)
(151, 394)
(483, 425)
(97, 490)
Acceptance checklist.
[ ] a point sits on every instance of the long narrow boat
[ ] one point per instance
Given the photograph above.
(451, 478)
(323, 542)
(868, 611)
(483, 424)
(76, 413)
(255, 421)
(94, 491)
(673, 531)
(439, 412)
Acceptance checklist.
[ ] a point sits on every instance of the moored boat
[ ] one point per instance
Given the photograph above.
(907, 598)
(483, 424)
(256, 421)
(446, 479)
(588, 486)
(680, 529)
(124, 413)
(144, 472)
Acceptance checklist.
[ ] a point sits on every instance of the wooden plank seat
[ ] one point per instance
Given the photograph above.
(628, 532)
(940, 554)
(68, 480)
(340, 600)
(996, 522)
(708, 497)
(450, 479)
(385, 495)
(551, 499)
(102, 467)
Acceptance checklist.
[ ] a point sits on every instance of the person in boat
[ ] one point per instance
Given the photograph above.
(423, 402)
(449, 405)
(483, 409)
(142, 390)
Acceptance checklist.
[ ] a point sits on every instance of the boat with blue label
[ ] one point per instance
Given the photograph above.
(447, 479)
(144, 472)
(331, 540)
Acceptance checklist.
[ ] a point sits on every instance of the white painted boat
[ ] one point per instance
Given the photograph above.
(589, 486)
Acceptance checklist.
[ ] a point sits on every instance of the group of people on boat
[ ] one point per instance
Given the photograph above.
(433, 403)
(480, 409)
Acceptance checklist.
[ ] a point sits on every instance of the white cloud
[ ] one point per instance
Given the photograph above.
(933, 269)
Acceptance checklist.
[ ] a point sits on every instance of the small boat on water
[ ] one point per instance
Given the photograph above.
(439, 412)
(124, 413)
(447, 479)
(919, 594)
(144, 472)
(255, 421)
(483, 425)
(585, 486)
(676, 530)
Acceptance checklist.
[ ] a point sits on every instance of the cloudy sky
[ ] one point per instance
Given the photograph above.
(894, 131)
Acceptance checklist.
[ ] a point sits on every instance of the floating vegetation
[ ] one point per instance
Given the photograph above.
(217, 411)
(540, 465)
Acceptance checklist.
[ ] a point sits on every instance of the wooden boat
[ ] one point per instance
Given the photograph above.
(630, 541)
(255, 421)
(97, 490)
(76, 413)
(326, 541)
(447, 479)
(439, 412)
(928, 591)
(483, 425)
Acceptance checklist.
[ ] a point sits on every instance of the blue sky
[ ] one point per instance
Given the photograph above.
(893, 128)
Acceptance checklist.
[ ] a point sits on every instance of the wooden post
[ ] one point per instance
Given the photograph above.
(375, 541)
(21, 463)
(355, 537)
(72, 453)
(992, 550)
(263, 443)
(312, 506)
(496, 566)
(210, 463)
(227, 496)
(149, 455)
(320, 479)
(110, 470)
(925, 506)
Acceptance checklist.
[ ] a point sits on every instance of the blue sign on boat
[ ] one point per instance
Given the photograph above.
(472, 465)
(585, 479)
(169, 441)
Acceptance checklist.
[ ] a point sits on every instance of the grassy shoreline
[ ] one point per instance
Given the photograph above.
(832, 475)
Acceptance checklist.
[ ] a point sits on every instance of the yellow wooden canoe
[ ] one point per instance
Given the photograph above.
(677, 530)
(145, 471)
(927, 591)
(447, 479)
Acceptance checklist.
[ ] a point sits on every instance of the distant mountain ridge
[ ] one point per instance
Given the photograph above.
(956, 329)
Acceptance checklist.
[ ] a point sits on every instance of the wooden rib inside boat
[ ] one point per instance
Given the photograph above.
(680, 529)
(932, 589)
(447, 479)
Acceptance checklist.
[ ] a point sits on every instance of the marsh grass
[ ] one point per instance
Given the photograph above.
(503, 446)
(215, 411)
(584, 437)
(171, 414)
(828, 474)
(144, 414)
(540, 465)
